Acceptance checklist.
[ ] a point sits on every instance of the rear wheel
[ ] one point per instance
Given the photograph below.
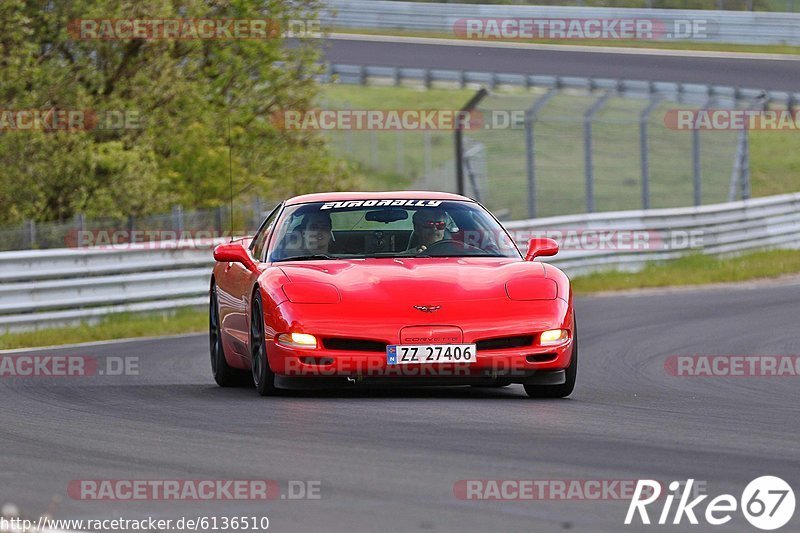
(566, 388)
(224, 375)
(263, 377)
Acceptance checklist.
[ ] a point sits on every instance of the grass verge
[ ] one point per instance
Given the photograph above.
(694, 270)
(119, 326)
(620, 43)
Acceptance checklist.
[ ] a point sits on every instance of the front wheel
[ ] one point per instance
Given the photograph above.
(263, 377)
(566, 388)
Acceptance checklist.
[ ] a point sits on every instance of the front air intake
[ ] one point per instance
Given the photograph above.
(354, 345)
(501, 343)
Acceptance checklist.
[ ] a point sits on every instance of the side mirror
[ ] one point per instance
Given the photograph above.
(541, 247)
(234, 252)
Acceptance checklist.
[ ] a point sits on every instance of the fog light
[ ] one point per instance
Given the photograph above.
(553, 336)
(297, 340)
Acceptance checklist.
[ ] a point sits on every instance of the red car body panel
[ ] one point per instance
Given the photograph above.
(371, 302)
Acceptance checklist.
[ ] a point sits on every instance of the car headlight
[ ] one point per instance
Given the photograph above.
(551, 337)
(297, 340)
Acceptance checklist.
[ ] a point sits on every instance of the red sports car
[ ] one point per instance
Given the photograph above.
(389, 288)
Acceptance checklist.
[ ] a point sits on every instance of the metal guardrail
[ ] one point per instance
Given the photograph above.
(55, 287)
(42, 288)
(690, 93)
(738, 27)
(759, 223)
(722, 5)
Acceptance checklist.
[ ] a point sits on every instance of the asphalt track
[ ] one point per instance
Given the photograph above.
(388, 460)
(755, 73)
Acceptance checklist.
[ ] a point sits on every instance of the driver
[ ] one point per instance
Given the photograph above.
(429, 227)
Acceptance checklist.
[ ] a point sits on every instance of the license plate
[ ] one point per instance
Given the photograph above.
(410, 354)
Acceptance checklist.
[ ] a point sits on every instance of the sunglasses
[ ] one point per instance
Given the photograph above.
(431, 224)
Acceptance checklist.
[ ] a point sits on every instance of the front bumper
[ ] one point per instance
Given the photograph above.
(514, 365)
(474, 321)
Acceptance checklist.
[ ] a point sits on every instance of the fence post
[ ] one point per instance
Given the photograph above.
(426, 153)
(348, 135)
(737, 172)
(373, 149)
(177, 218)
(218, 220)
(458, 135)
(588, 118)
(80, 224)
(696, 168)
(29, 234)
(399, 163)
(531, 115)
(744, 149)
(746, 166)
(258, 209)
(644, 149)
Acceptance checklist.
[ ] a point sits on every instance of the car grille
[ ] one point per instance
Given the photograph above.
(501, 343)
(354, 345)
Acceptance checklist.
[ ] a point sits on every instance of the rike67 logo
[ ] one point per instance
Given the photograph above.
(767, 503)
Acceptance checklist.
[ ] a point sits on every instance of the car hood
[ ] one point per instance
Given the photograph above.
(415, 280)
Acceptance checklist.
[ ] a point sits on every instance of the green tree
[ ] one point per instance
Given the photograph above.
(184, 93)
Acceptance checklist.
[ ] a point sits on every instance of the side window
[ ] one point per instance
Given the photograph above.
(260, 239)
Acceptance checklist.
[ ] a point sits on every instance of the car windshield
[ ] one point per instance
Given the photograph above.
(388, 228)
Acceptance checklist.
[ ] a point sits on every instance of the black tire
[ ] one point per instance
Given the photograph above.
(565, 389)
(224, 375)
(263, 377)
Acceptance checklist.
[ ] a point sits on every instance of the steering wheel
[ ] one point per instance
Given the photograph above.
(448, 242)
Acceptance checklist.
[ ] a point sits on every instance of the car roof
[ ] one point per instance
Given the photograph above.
(386, 195)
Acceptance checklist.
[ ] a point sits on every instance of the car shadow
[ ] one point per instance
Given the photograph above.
(511, 392)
